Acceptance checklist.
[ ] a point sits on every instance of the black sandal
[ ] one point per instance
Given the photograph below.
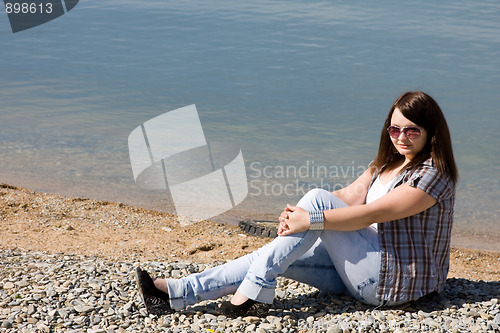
(249, 307)
(156, 301)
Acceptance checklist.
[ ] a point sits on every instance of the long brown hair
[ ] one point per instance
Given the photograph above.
(423, 110)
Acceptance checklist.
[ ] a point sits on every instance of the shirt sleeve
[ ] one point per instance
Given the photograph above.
(431, 181)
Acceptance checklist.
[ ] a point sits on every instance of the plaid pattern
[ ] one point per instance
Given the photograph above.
(415, 250)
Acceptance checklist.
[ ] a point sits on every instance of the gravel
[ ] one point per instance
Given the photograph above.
(42, 292)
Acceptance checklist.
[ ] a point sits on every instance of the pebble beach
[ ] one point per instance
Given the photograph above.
(68, 266)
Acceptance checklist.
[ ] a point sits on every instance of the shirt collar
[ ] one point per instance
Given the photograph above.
(428, 162)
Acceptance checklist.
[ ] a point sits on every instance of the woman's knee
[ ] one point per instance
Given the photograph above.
(318, 199)
(317, 194)
(310, 199)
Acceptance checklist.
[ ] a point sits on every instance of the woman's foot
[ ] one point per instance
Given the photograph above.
(156, 301)
(238, 298)
(161, 284)
(241, 306)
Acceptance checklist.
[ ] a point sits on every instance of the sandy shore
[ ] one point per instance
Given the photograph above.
(33, 221)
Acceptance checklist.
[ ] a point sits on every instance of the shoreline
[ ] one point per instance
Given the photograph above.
(462, 237)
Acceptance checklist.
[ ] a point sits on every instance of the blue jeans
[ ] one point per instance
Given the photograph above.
(333, 261)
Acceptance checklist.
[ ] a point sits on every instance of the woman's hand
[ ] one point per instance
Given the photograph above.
(283, 218)
(293, 220)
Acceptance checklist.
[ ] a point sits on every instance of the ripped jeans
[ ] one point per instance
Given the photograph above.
(337, 262)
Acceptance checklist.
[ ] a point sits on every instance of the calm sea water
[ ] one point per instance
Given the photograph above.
(303, 88)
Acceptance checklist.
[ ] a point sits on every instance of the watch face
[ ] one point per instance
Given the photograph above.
(29, 14)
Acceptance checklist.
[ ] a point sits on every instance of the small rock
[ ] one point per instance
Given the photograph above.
(423, 314)
(22, 283)
(31, 309)
(267, 327)
(39, 277)
(430, 322)
(473, 313)
(251, 319)
(176, 273)
(334, 329)
(83, 308)
(210, 317)
(8, 285)
(250, 328)
(32, 320)
(6, 324)
(485, 316)
(42, 327)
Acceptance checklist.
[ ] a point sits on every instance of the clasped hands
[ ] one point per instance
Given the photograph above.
(293, 220)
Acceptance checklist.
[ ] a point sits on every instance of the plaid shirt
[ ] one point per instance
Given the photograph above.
(415, 250)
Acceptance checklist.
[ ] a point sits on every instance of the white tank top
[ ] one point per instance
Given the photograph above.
(376, 191)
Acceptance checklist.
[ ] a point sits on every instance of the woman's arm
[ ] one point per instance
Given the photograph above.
(355, 193)
(399, 203)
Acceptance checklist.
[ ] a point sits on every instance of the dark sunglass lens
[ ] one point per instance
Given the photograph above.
(394, 131)
(412, 132)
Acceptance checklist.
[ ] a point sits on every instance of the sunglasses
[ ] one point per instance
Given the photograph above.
(411, 132)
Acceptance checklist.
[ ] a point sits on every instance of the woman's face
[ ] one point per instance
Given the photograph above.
(409, 148)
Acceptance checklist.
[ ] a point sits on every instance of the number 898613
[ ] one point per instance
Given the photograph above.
(28, 8)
